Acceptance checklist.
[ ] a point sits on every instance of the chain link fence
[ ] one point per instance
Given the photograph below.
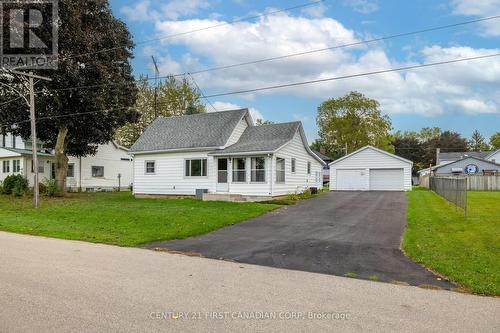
(453, 189)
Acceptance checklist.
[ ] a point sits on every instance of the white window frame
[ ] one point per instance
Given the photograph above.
(294, 165)
(16, 166)
(72, 176)
(6, 166)
(234, 164)
(146, 168)
(92, 171)
(252, 170)
(203, 160)
(309, 167)
(281, 170)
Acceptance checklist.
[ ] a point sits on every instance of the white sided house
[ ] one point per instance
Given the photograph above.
(224, 155)
(370, 169)
(110, 168)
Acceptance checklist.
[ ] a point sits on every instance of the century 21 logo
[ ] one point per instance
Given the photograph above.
(29, 33)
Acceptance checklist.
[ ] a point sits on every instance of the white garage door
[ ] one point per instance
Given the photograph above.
(351, 180)
(386, 180)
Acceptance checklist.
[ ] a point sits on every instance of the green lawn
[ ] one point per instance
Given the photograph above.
(120, 219)
(467, 250)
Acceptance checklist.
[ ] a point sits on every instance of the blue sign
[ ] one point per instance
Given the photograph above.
(471, 169)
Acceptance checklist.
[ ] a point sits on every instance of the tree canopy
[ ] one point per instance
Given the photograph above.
(477, 142)
(351, 122)
(495, 140)
(72, 120)
(175, 98)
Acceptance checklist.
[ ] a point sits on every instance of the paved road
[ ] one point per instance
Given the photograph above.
(50, 285)
(338, 233)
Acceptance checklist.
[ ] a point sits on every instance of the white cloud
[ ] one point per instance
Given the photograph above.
(362, 6)
(225, 106)
(480, 8)
(317, 10)
(427, 91)
(140, 12)
(172, 10)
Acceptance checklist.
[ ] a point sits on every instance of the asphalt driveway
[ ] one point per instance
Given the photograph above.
(340, 233)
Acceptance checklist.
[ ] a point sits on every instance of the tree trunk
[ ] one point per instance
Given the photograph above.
(61, 160)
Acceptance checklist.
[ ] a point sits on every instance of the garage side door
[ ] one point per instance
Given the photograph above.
(351, 180)
(386, 180)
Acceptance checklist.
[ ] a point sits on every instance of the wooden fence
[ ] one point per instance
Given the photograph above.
(483, 183)
(474, 183)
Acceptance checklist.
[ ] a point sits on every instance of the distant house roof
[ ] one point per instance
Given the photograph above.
(459, 160)
(453, 156)
(203, 130)
(27, 152)
(325, 158)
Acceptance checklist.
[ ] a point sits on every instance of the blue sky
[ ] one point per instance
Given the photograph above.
(459, 97)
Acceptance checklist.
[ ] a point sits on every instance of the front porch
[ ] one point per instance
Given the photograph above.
(243, 178)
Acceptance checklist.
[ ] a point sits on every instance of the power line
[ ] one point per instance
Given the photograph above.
(352, 76)
(366, 41)
(309, 4)
(201, 92)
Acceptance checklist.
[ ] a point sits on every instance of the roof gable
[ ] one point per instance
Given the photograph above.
(204, 130)
(374, 149)
(265, 138)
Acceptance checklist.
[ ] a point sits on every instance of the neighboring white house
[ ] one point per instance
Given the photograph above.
(109, 168)
(225, 154)
(370, 169)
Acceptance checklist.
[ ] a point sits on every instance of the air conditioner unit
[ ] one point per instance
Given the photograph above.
(456, 170)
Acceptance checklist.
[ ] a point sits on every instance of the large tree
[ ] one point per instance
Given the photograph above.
(495, 140)
(174, 98)
(477, 142)
(447, 141)
(353, 121)
(409, 145)
(94, 51)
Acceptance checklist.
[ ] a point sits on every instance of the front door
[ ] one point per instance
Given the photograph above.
(222, 175)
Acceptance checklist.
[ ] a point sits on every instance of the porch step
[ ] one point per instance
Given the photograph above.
(231, 197)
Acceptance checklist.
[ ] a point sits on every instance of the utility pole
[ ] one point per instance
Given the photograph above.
(31, 77)
(157, 74)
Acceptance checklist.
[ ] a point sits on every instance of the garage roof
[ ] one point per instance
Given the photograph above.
(373, 148)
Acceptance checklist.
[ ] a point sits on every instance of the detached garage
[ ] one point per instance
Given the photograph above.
(370, 169)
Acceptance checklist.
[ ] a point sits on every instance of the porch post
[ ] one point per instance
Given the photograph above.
(229, 173)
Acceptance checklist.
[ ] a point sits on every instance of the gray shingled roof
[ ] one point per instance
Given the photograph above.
(322, 156)
(203, 130)
(461, 154)
(265, 138)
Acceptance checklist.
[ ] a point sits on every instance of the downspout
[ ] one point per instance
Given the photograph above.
(271, 175)
(79, 174)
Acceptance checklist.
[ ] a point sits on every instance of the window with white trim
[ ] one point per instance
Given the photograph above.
(308, 168)
(280, 170)
(97, 171)
(150, 167)
(239, 170)
(6, 166)
(196, 167)
(293, 165)
(71, 170)
(16, 166)
(258, 170)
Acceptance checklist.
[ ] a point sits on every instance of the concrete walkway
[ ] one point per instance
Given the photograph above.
(50, 285)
